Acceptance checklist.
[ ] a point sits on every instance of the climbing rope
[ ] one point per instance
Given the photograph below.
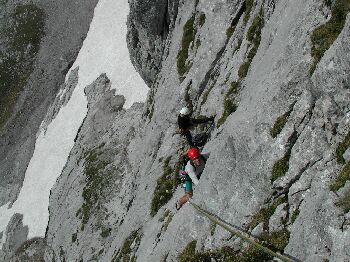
(238, 232)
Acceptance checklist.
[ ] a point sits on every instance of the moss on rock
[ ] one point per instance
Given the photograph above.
(229, 105)
(165, 188)
(342, 178)
(17, 63)
(295, 214)
(325, 35)
(188, 36)
(130, 245)
(276, 241)
(248, 10)
(243, 69)
(264, 214)
(254, 37)
(342, 147)
(344, 202)
(278, 126)
(229, 31)
(280, 168)
(96, 179)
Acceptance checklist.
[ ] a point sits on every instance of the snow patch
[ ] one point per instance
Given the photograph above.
(104, 51)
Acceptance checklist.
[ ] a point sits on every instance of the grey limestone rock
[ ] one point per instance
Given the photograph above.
(346, 155)
(16, 234)
(277, 219)
(100, 206)
(149, 24)
(258, 230)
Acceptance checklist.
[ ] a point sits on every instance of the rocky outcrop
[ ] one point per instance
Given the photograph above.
(96, 185)
(149, 24)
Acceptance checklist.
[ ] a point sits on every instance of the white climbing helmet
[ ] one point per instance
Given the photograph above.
(184, 111)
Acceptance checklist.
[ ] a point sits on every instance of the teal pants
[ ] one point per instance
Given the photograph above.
(188, 184)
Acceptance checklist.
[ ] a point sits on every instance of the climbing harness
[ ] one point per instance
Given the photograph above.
(186, 181)
(239, 232)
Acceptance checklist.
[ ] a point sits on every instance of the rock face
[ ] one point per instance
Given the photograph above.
(36, 75)
(278, 164)
(149, 24)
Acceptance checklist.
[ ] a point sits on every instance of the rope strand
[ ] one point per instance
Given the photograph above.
(239, 232)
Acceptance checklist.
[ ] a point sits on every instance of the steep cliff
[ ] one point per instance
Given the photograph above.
(276, 76)
(39, 43)
(280, 116)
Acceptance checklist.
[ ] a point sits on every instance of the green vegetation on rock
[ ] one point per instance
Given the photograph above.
(295, 214)
(325, 35)
(254, 37)
(342, 178)
(263, 216)
(188, 36)
(96, 181)
(248, 9)
(165, 188)
(167, 218)
(229, 105)
(189, 253)
(328, 3)
(243, 69)
(281, 122)
(342, 147)
(24, 33)
(278, 126)
(130, 245)
(254, 31)
(344, 202)
(230, 31)
(280, 168)
(276, 241)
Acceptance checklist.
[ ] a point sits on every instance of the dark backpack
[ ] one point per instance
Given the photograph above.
(199, 140)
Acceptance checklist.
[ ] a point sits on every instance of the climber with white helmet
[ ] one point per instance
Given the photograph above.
(186, 122)
(191, 174)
